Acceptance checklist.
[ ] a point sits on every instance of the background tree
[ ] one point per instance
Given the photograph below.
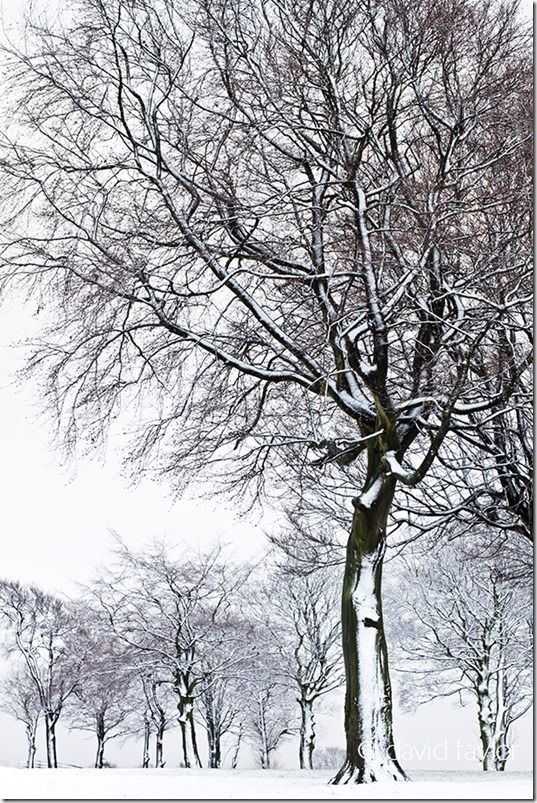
(271, 717)
(174, 614)
(303, 619)
(220, 712)
(160, 712)
(301, 228)
(102, 700)
(19, 698)
(463, 630)
(41, 630)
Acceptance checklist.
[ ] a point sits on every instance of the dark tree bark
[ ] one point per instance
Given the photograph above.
(368, 698)
(147, 733)
(215, 751)
(100, 730)
(50, 735)
(189, 746)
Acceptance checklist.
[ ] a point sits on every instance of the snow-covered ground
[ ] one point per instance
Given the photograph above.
(132, 784)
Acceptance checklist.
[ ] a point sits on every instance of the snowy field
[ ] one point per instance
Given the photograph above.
(176, 784)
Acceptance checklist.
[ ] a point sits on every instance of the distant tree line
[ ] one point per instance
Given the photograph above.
(243, 652)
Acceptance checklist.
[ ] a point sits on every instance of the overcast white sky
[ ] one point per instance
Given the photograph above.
(55, 522)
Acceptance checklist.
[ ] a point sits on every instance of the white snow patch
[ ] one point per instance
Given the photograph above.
(195, 784)
(370, 496)
(394, 465)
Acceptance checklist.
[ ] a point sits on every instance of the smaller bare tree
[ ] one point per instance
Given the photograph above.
(160, 713)
(175, 614)
(20, 699)
(41, 629)
(271, 717)
(463, 630)
(303, 618)
(101, 700)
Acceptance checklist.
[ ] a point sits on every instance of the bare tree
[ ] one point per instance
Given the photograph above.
(175, 615)
(302, 615)
(19, 697)
(158, 712)
(270, 717)
(41, 630)
(468, 633)
(101, 702)
(302, 228)
(220, 712)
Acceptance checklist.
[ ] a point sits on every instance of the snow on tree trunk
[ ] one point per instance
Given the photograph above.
(99, 758)
(501, 749)
(502, 752)
(307, 734)
(235, 757)
(265, 752)
(159, 749)
(487, 711)
(50, 735)
(147, 728)
(187, 729)
(31, 730)
(368, 700)
(487, 727)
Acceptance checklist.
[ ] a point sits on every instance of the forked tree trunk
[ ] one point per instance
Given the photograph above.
(307, 734)
(189, 746)
(31, 730)
(370, 754)
(213, 743)
(215, 756)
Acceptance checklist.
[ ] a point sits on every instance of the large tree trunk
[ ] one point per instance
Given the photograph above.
(187, 728)
(307, 734)
(487, 725)
(50, 734)
(487, 689)
(31, 730)
(368, 700)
